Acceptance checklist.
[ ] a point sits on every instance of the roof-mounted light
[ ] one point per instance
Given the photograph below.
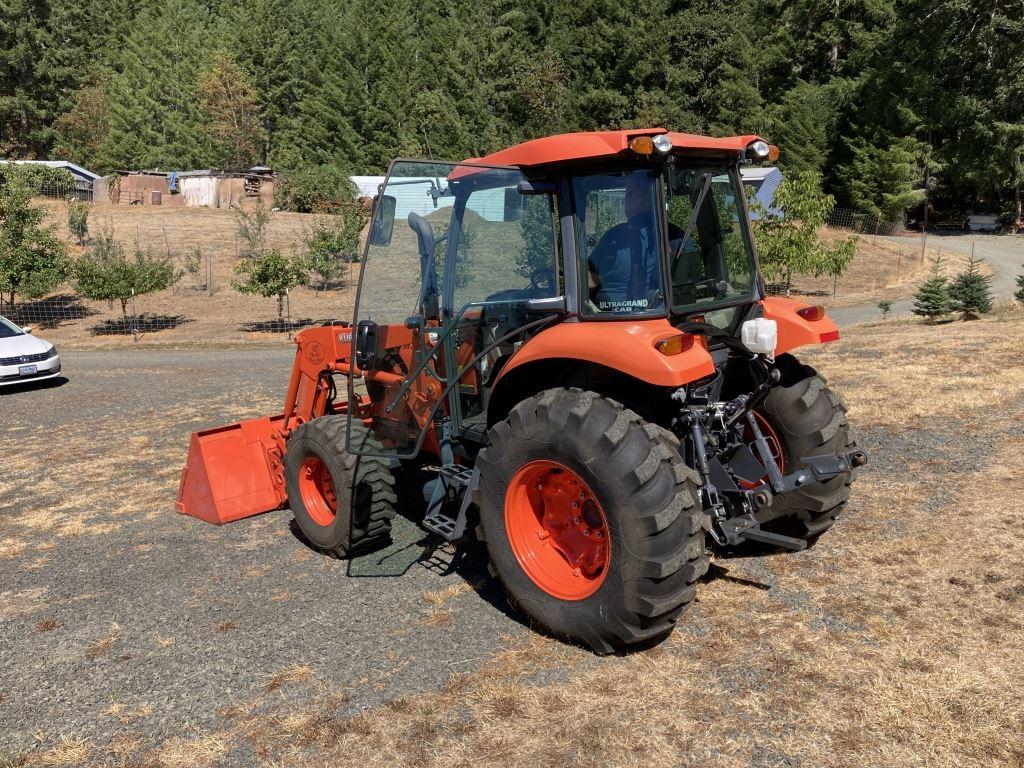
(761, 151)
(662, 143)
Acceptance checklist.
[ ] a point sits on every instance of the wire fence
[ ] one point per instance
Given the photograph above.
(865, 223)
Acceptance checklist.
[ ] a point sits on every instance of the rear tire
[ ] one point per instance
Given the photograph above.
(647, 495)
(810, 420)
(343, 502)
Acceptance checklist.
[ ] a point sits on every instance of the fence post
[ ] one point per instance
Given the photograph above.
(209, 274)
(899, 258)
(878, 221)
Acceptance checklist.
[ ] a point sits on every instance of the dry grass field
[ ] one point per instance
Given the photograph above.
(189, 315)
(897, 641)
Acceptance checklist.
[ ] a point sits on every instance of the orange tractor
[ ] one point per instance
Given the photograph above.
(573, 336)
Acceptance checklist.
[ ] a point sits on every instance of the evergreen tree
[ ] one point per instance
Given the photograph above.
(970, 292)
(154, 116)
(932, 299)
(228, 101)
(24, 86)
(1019, 293)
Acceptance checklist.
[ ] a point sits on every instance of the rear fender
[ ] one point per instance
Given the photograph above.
(619, 353)
(794, 330)
(621, 346)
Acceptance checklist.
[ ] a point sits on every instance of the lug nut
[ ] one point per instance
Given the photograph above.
(575, 505)
(576, 521)
(575, 571)
(582, 495)
(542, 535)
(586, 531)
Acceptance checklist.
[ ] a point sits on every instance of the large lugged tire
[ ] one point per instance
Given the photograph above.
(343, 503)
(635, 534)
(810, 420)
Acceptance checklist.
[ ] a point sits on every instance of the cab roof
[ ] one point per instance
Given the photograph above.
(569, 147)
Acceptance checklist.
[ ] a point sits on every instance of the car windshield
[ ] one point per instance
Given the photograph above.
(9, 329)
(710, 260)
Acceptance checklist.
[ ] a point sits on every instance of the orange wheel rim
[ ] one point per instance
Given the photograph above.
(316, 486)
(774, 447)
(557, 529)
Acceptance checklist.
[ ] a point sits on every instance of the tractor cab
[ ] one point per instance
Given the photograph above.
(467, 262)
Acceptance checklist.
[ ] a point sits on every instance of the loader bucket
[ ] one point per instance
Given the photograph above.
(228, 474)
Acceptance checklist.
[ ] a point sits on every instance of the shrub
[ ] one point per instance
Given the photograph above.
(314, 189)
(886, 306)
(1019, 294)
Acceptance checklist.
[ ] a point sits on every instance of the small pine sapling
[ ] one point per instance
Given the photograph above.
(970, 292)
(886, 306)
(932, 299)
(1019, 294)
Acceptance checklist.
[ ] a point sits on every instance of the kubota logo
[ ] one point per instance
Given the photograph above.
(315, 352)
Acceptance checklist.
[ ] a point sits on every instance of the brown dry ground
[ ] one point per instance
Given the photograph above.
(882, 269)
(897, 641)
(185, 315)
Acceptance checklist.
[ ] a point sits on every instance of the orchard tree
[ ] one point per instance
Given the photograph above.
(265, 271)
(33, 261)
(78, 219)
(791, 243)
(271, 274)
(333, 243)
(106, 273)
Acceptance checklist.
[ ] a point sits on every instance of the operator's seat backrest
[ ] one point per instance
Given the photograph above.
(424, 234)
(426, 243)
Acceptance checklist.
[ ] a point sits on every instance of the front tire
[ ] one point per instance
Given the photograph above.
(631, 487)
(343, 502)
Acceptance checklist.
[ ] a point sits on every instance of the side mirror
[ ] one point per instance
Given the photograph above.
(27, 328)
(383, 222)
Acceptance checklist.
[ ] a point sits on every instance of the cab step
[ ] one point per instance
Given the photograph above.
(455, 484)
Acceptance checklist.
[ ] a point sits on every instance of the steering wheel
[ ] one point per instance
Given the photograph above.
(543, 277)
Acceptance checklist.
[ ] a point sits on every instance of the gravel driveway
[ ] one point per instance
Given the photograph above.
(116, 612)
(1004, 253)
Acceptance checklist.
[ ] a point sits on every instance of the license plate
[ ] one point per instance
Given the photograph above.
(26, 370)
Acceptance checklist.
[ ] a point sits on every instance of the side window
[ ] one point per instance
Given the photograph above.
(620, 241)
(506, 248)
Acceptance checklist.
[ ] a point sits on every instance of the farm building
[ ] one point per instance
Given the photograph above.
(84, 178)
(199, 188)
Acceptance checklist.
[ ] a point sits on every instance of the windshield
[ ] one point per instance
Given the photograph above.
(9, 329)
(710, 260)
(621, 240)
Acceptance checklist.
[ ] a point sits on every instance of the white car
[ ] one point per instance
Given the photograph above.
(23, 357)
